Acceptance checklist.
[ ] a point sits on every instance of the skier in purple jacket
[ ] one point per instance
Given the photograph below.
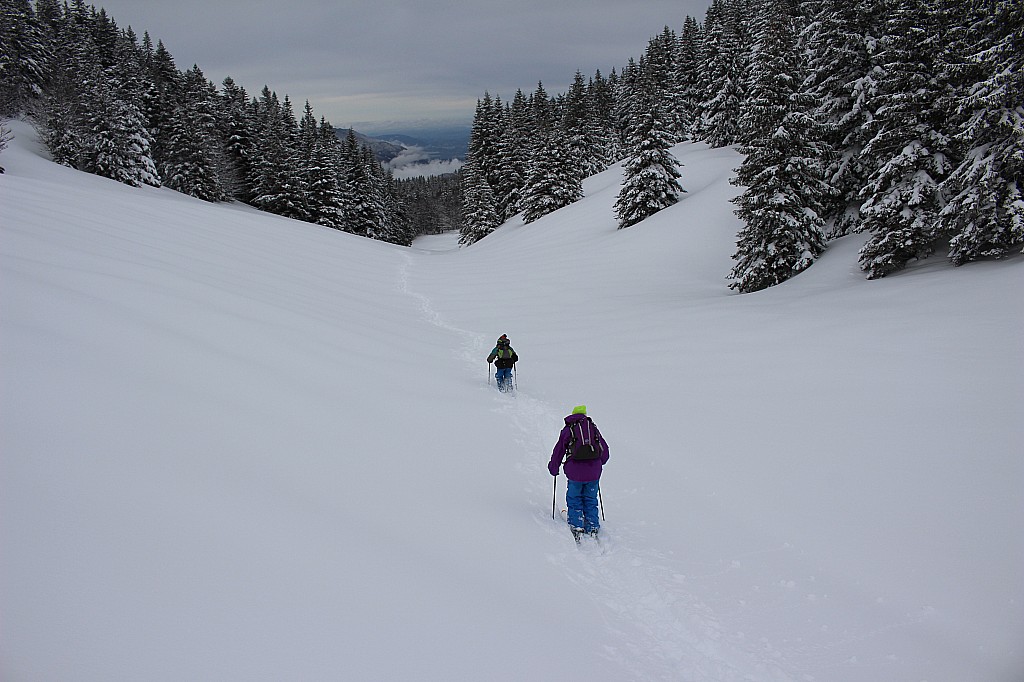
(584, 451)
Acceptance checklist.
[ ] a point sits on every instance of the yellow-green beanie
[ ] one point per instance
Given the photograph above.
(579, 409)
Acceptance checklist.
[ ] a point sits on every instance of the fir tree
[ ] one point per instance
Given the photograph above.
(902, 198)
(324, 187)
(553, 182)
(23, 56)
(985, 214)
(359, 211)
(651, 173)
(840, 79)
(513, 150)
(722, 76)
(276, 175)
(781, 206)
(479, 218)
(193, 146)
(118, 147)
(686, 94)
(235, 126)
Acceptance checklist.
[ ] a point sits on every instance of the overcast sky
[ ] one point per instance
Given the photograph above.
(364, 63)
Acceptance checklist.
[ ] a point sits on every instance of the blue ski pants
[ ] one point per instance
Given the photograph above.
(503, 376)
(581, 500)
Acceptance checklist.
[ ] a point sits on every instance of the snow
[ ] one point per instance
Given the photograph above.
(236, 446)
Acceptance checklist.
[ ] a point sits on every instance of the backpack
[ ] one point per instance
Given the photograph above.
(503, 351)
(579, 449)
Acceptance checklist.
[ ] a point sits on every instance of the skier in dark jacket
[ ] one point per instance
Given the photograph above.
(585, 452)
(504, 358)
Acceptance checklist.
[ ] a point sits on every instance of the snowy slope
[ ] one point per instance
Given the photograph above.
(240, 447)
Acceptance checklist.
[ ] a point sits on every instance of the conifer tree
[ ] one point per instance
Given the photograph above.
(514, 153)
(23, 56)
(553, 182)
(985, 214)
(323, 195)
(163, 93)
(601, 107)
(781, 205)
(902, 198)
(479, 218)
(118, 146)
(651, 172)
(193, 146)
(275, 170)
(841, 80)
(485, 138)
(686, 93)
(359, 211)
(579, 134)
(722, 76)
(236, 125)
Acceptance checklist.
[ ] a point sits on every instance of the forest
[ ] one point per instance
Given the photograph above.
(900, 119)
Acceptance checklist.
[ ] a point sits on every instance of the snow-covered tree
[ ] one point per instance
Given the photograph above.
(514, 154)
(118, 146)
(651, 173)
(840, 79)
(903, 196)
(552, 183)
(782, 203)
(479, 217)
(985, 213)
(193, 146)
(23, 56)
(722, 76)
(5, 138)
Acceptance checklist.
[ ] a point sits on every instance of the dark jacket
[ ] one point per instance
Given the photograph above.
(503, 356)
(583, 470)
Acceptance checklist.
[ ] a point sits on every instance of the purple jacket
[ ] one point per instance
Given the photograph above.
(585, 470)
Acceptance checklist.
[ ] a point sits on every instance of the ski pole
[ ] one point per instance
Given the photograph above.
(554, 488)
(601, 500)
(488, 374)
(515, 380)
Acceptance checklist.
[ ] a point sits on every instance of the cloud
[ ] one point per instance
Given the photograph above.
(415, 162)
(399, 59)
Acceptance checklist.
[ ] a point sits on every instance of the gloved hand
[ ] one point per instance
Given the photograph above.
(553, 468)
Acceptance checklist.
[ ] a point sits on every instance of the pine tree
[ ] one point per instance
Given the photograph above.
(601, 106)
(552, 183)
(5, 138)
(840, 79)
(277, 188)
(686, 82)
(513, 150)
(985, 215)
(485, 139)
(576, 126)
(722, 74)
(781, 206)
(323, 196)
(160, 100)
(119, 146)
(236, 125)
(902, 199)
(23, 56)
(651, 172)
(360, 210)
(479, 218)
(65, 106)
(193, 146)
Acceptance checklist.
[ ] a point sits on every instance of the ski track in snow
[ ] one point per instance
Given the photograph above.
(640, 597)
